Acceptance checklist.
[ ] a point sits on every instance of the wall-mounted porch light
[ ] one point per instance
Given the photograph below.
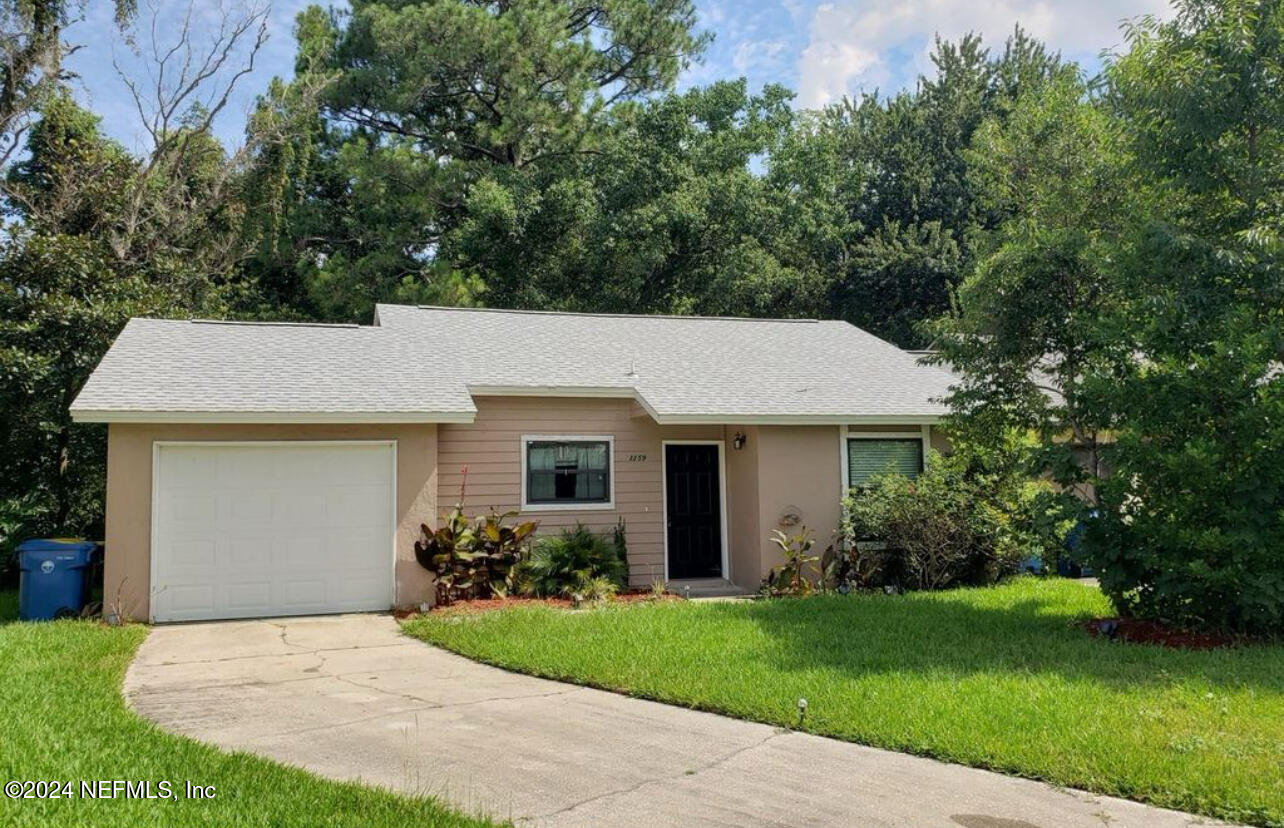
(738, 442)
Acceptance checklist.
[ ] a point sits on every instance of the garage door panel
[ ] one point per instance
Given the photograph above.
(247, 506)
(245, 468)
(191, 471)
(358, 591)
(199, 554)
(191, 599)
(304, 593)
(299, 508)
(249, 595)
(357, 465)
(270, 529)
(250, 554)
(299, 553)
(191, 509)
(356, 505)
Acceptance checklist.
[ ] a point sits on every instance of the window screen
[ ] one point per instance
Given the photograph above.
(568, 471)
(866, 458)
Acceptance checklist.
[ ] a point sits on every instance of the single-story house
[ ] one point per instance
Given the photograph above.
(259, 469)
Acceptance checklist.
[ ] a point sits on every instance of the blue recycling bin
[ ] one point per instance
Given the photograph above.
(54, 578)
(1068, 566)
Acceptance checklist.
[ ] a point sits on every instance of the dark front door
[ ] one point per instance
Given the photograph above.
(693, 510)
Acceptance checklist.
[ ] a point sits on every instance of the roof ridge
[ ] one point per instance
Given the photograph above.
(265, 323)
(684, 317)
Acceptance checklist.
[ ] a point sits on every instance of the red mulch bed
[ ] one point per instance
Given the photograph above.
(1137, 631)
(478, 605)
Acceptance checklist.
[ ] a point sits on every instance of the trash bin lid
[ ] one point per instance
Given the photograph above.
(57, 545)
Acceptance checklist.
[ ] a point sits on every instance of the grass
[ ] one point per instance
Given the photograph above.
(62, 718)
(999, 678)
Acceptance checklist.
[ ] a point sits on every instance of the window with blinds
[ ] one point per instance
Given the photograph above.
(868, 457)
(568, 471)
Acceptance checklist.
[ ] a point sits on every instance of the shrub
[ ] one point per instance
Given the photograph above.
(621, 550)
(563, 564)
(950, 526)
(797, 575)
(597, 590)
(473, 559)
(20, 518)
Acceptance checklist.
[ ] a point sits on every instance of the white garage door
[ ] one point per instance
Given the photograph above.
(244, 530)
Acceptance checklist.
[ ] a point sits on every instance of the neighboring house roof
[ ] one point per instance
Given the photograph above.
(421, 364)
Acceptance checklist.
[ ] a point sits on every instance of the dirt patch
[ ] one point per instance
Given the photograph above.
(1137, 631)
(491, 604)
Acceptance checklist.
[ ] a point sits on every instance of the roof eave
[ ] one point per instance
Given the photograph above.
(797, 419)
(87, 415)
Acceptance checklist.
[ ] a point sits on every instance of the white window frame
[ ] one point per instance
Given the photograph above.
(609, 505)
(722, 497)
(845, 434)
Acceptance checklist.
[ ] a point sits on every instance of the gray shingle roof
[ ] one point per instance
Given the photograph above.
(426, 363)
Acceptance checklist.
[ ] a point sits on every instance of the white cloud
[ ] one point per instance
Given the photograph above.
(862, 44)
(795, 8)
(757, 54)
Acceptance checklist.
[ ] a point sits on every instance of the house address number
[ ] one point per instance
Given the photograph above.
(637, 458)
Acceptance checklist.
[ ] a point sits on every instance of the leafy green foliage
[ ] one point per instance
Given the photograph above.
(1192, 527)
(957, 523)
(1129, 312)
(99, 237)
(598, 590)
(799, 573)
(474, 179)
(570, 562)
(620, 542)
(665, 216)
(436, 116)
(473, 558)
(909, 208)
(31, 54)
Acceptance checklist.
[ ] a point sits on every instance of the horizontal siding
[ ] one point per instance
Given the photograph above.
(490, 448)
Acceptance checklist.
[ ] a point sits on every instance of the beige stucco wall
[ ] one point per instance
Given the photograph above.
(742, 508)
(799, 473)
(491, 449)
(127, 565)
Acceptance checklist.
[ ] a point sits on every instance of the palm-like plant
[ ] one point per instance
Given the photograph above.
(563, 564)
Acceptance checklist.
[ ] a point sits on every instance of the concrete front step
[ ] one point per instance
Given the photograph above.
(707, 588)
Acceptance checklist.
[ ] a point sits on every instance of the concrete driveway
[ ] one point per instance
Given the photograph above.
(350, 698)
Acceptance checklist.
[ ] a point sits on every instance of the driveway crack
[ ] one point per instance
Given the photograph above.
(661, 779)
(281, 655)
(343, 677)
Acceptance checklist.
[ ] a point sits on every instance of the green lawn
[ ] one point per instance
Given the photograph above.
(62, 718)
(999, 678)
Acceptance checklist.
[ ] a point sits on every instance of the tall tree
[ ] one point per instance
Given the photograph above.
(429, 99)
(1130, 310)
(31, 53)
(1194, 524)
(909, 203)
(97, 234)
(666, 216)
(1038, 328)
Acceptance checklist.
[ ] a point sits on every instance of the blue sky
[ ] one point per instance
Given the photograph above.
(822, 50)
